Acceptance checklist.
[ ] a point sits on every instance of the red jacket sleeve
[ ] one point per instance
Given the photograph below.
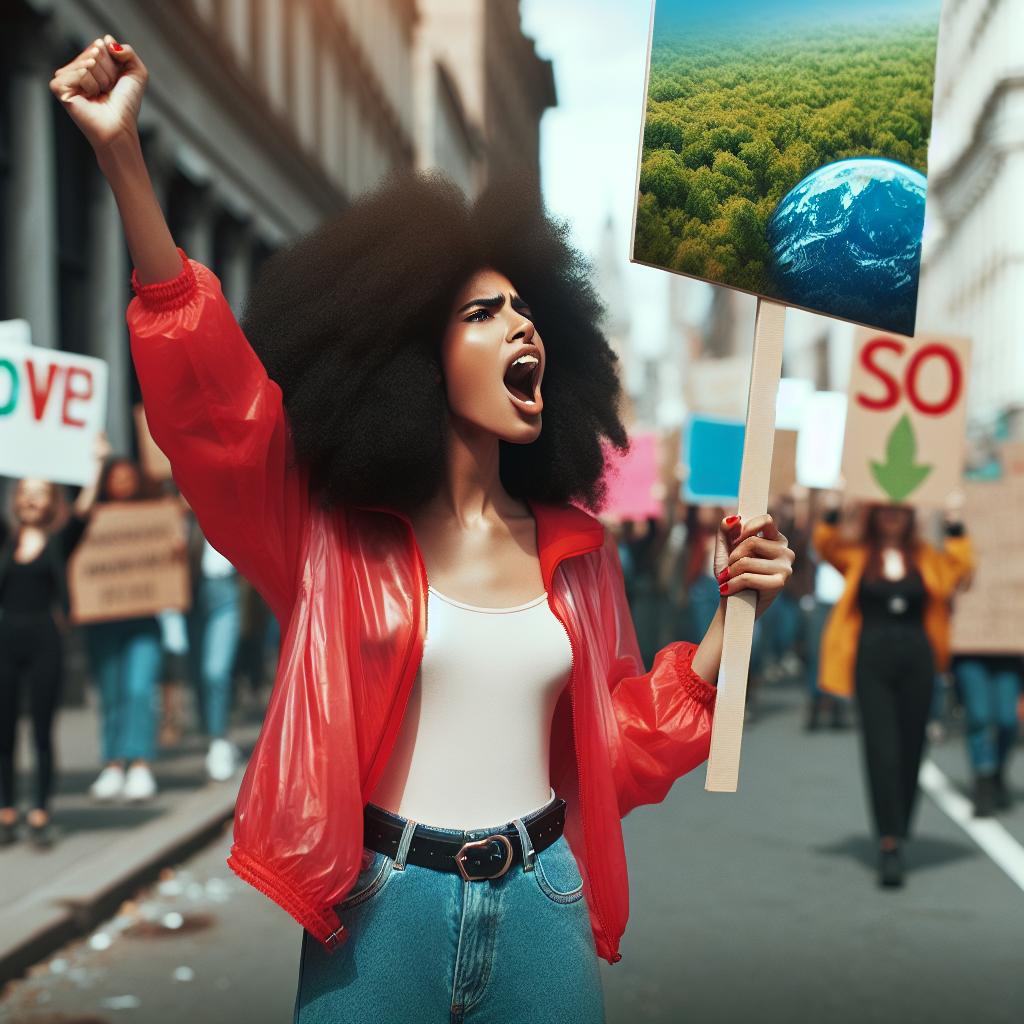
(664, 716)
(220, 420)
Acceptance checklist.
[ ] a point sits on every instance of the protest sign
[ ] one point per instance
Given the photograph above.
(783, 463)
(718, 387)
(785, 150)
(987, 617)
(906, 418)
(819, 445)
(154, 463)
(791, 401)
(130, 562)
(633, 479)
(52, 406)
(713, 456)
(15, 332)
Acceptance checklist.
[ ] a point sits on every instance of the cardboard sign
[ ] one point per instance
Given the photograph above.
(129, 563)
(784, 151)
(906, 419)
(791, 402)
(819, 445)
(634, 487)
(154, 463)
(52, 406)
(718, 387)
(713, 456)
(987, 617)
(783, 463)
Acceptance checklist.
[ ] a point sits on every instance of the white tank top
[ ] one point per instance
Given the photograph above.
(474, 745)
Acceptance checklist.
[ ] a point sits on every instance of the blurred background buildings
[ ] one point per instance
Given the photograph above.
(261, 118)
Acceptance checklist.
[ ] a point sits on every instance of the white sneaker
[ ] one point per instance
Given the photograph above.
(109, 783)
(221, 759)
(139, 784)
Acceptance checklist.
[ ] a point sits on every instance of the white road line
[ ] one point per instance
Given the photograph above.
(988, 833)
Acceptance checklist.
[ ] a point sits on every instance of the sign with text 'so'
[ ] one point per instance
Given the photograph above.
(906, 417)
(130, 562)
(52, 406)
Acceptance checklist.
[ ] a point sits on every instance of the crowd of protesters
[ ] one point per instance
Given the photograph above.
(148, 671)
(863, 628)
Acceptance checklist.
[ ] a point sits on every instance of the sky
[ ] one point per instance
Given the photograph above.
(589, 142)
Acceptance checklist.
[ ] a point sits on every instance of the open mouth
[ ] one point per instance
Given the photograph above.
(521, 380)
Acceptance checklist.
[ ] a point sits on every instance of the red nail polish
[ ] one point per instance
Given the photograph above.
(723, 575)
(724, 589)
(116, 46)
(732, 520)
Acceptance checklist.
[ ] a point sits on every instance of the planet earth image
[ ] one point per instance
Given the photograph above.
(846, 241)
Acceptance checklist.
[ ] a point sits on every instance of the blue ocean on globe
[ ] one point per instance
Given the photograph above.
(847, 241)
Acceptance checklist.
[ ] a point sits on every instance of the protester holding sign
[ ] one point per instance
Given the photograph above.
(33, 582)
(378, 424)
(126, 656)
(886, 637)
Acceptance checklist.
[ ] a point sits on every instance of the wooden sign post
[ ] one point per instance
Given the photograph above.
(758, 442)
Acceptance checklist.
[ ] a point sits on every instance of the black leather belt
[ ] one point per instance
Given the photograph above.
(476, 855)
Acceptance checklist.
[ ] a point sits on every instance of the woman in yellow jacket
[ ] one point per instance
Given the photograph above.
(885, 640)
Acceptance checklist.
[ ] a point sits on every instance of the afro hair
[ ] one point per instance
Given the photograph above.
(349, 319)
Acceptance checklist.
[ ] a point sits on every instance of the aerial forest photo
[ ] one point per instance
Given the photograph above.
(785, 151)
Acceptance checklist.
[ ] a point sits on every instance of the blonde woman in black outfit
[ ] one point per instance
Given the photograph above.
(33, 592)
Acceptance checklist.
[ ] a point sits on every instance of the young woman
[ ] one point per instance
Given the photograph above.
(456, 644)
(33, 592)
(885, 639)
(126, 656)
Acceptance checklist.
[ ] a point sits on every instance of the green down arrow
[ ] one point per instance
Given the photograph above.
(899, 475)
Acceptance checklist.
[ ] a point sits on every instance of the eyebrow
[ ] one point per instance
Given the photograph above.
(495, 302)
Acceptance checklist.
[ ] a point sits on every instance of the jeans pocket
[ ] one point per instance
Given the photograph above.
(558, 876)
(370, 880)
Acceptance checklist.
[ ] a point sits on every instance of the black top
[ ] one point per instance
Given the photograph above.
(32, 588)
(888, 601)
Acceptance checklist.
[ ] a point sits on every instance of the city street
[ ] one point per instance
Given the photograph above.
(760, 906)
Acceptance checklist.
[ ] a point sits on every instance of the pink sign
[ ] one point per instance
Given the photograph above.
(634, 490)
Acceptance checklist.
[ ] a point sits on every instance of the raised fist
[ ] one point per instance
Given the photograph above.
(101, 89)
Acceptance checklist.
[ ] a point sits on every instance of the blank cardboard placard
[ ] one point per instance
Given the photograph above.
(783, 463)
(987, 617)
(129, 563)
(906, 419)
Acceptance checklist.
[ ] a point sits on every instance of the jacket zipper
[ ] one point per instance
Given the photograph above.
(575, 731)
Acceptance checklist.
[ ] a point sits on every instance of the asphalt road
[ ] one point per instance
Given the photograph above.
(759, 906)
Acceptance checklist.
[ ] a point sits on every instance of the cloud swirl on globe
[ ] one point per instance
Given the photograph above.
(847, 241)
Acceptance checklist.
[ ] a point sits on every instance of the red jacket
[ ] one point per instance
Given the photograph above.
(348, 586)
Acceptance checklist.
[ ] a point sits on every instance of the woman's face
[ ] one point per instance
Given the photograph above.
(892, 521)
(123, 482)
(493, 359)
(34, 502)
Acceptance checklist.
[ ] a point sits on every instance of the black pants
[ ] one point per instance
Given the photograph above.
(894, 678)
(31, 655)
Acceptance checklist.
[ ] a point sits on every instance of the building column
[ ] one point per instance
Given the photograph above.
(235, 276)
(32, 272)
(109, 295)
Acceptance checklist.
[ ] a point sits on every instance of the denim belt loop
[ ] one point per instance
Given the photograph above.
(524, 837)
(404, 843)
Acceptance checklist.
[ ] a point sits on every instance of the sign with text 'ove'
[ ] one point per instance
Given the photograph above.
(52, 406)
(905, 426)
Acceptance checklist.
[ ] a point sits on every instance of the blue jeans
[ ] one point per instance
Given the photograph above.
(214, 625)
(426, 946)
(814, 626)
(775, 632)
(125, 658)
(702, 600)
(990, 687)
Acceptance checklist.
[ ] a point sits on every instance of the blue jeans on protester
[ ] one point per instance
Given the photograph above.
(214, 626)
(990, 687)
(426, 946)
(126, 658)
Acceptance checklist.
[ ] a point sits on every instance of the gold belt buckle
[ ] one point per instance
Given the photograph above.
(460, 857)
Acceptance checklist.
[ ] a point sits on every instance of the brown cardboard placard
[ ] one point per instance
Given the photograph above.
(906, 419)
(783, 475)
(154, 463)
(130, 562)
(987, 617)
